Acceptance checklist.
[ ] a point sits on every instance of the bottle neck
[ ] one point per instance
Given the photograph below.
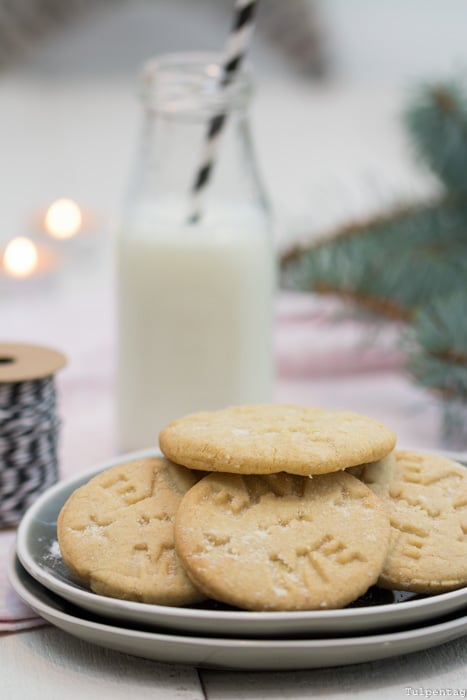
(180, 103)
(190, 85)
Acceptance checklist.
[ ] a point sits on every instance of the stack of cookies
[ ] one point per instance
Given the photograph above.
(270, 507)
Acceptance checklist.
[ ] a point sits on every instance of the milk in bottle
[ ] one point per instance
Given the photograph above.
(195, 300)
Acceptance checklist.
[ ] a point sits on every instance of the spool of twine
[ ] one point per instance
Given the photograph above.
(29, 426)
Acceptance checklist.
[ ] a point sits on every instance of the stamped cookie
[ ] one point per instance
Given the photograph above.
(116, 532)
(427, 505)
(265, 439)
(282, 542)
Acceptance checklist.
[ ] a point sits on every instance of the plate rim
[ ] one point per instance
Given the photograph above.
(58, 587)
(231, 642)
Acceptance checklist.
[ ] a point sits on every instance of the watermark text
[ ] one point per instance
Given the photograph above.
(436, 692)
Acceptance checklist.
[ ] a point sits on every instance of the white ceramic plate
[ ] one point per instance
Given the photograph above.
(228, 653)
(38, 551)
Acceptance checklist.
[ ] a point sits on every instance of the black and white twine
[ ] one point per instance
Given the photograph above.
(237, 45)
(29, 429)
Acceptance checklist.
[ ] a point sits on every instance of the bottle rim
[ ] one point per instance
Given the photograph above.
(190, 83)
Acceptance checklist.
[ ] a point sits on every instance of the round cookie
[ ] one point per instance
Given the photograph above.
(116, 532)
(265, 439)
(282, 542)
(427, 504)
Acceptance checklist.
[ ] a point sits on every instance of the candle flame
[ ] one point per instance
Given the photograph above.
(63, 219)
(20, 257)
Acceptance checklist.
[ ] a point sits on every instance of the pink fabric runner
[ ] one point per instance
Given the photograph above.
(14, 614)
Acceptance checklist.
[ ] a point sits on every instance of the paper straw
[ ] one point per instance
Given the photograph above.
(236, 49)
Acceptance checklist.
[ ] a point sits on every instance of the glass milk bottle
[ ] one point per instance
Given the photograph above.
(195, 299)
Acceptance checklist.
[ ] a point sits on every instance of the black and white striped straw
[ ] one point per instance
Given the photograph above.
(236, 49)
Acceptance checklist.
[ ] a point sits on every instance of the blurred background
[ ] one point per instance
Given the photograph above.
(332, 77)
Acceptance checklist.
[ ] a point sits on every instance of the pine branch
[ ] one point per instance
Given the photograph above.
(437, 357)
(371, 304)
(356, 228)
(390, 264)
(437, 123)
(410, 263)
(447, 213)
(437, 360)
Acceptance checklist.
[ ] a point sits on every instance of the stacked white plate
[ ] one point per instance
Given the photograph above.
(381, 625)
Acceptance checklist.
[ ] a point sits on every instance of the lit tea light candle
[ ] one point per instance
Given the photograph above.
(70, 230)
(26, 266)
(63, 219)
(20, 257)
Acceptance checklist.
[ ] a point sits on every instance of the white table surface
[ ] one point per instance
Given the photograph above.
(48, 664)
